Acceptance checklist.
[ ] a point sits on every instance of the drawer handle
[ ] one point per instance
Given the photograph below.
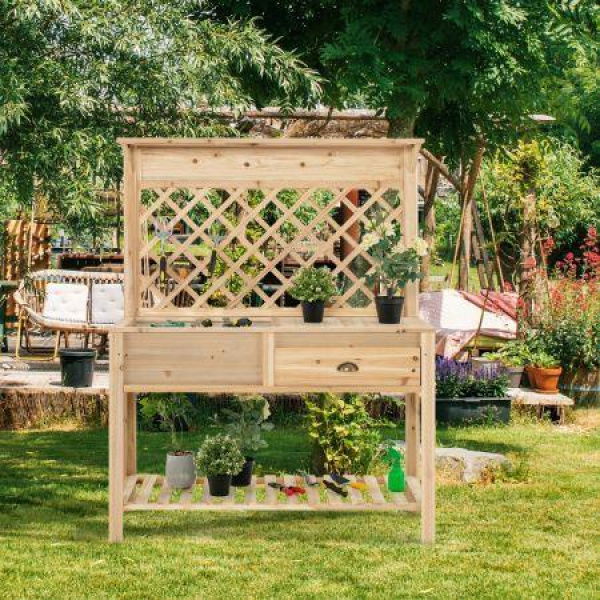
(347, 367)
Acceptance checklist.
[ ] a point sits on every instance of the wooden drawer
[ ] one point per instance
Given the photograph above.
(347, 366)
(226, 359)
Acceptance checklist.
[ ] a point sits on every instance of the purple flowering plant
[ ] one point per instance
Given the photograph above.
(458, 379)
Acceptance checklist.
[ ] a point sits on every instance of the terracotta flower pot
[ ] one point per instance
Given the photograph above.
(546, 380)
(530, 371)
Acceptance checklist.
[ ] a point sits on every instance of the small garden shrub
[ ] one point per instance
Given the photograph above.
(346, 439)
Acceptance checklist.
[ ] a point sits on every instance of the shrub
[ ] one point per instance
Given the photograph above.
(455, 379)
(219, 455)
(313, 284)
(174, 411)
(346, 438)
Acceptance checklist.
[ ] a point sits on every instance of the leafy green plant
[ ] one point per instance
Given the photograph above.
(514, 353)
(174, 411)
(346, 438)
(395, 263)
(219, 455)
(246, 421)
(313, 284)
(543, 360)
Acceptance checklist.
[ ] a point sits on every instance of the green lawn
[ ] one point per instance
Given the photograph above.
(533, 535)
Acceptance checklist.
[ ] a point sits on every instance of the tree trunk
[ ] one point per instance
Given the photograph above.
(401, 127)
(431, 183)
(479, 239)
(467, 207)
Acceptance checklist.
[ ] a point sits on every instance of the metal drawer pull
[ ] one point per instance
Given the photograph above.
(347, 367)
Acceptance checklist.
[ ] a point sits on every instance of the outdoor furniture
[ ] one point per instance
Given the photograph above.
(557, 402)
(68, 302)
(6, 289)
(209, 183)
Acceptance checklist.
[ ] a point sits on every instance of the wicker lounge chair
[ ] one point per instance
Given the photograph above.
(68, 302)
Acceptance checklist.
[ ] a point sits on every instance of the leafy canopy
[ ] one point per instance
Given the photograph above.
(76, 74)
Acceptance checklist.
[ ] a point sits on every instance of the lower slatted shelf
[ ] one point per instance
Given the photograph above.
(151, 492)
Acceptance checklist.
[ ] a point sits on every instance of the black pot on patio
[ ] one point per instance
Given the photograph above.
(77, 367)
(313, 311)
(389, 309)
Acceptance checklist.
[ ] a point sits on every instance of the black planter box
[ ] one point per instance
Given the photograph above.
(472, 410)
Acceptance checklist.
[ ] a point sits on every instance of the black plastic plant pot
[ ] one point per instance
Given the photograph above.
(244, 477)
(389, 309)
(219, 485)
(77, 367)
(313, 311)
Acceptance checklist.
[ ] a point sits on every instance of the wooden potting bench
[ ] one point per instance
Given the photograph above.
(211, 227)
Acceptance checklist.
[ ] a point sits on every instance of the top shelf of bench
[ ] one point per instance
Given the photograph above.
(284, 324)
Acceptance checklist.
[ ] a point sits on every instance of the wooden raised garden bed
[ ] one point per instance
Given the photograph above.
(260, 206)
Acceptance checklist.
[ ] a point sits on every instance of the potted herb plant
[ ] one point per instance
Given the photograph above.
(465, 394)
(514, 355)
(245, 422)
(313, 286)
(174, 412)
(395, 265)
(219, 458)
(544, 372)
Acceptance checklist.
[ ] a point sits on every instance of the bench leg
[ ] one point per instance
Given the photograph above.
(428, 438)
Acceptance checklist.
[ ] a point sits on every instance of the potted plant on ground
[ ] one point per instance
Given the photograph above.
(544, 372)
(313, 287)
(514, 355)
(174, 412)
(467, 395)
(395, 265)
(219, 458)
(245, 422)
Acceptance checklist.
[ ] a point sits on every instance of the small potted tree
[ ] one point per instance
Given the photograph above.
(219, 458)
(544, 372)
(313, 287)
(395, 265)
(174, 412)
(245, 422)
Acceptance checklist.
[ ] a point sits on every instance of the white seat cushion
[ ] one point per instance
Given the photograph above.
(66, 302)
(107, 303)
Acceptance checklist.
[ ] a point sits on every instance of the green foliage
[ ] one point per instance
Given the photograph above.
(312, 284)
(219, 455)
(75, 75)
(174, 410)
(246, 421)
(541, 358)
(395, 263)
(343, 432)
(514, 353)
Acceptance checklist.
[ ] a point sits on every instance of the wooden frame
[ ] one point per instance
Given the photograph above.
(193, 202)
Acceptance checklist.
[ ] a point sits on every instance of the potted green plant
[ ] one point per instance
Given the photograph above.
(174, 412)
(395, 265)
(219, 458)
(513, 356)
(313, 286)
(544, 372)
(245, 422)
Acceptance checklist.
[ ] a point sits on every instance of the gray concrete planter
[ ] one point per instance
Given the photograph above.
(180, 470)
(465, 411)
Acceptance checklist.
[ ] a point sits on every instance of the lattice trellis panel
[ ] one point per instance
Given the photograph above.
(236, 247)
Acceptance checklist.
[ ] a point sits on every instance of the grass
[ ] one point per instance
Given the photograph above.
(533, 535)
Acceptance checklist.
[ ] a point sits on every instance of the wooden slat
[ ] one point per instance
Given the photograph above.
(164, 497)
(374, 491)
(290, 480)
(355, 495)
(312, 494)
(333, 498)
(413, 488)
(145, 490)
(206, 497)
(270, 493)
(130, 484)
(250, 495)
(186, 496)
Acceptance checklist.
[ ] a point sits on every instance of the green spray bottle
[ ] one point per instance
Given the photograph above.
(395, 480)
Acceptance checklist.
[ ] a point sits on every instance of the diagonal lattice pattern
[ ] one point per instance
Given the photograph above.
(236, 247)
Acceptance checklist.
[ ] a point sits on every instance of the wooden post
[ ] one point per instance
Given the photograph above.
(116, 435)
(428, 438)
(132, 234)
(410, 220)
(353, 232)
(412, 435)
(131, 429)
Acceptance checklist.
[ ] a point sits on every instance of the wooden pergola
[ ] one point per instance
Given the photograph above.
(246, 204)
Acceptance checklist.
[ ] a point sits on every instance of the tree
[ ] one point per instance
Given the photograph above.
(76, 74)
